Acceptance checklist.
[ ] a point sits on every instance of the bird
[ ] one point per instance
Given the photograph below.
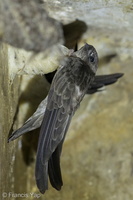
(67, 90)
(74, 78)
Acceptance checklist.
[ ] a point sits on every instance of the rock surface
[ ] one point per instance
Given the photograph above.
(25, 24)
(97, 158)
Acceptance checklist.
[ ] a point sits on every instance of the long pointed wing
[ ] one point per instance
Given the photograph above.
(32, 123)
(48, 142)
(103, 80)
(54, 169)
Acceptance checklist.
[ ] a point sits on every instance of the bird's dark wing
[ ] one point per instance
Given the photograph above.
(66, 92)
(54, 169)
(32, 123)
(54, 125)
(103, 80)
(27, 127)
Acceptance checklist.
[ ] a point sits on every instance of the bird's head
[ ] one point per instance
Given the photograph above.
(89, 55)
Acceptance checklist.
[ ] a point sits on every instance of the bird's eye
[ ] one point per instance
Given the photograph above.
(92, 58)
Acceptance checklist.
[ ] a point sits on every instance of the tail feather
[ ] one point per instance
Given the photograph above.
(42, 177)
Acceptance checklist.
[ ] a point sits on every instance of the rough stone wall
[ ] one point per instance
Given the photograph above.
(97, 158)
(8, 102)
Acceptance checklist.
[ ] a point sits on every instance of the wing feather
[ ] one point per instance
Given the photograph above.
(54, 169)
(102, 80)
(32, 123)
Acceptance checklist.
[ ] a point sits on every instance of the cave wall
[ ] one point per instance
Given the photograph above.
(97, 158)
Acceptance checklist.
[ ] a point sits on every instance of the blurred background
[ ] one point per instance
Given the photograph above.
(97, 157)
